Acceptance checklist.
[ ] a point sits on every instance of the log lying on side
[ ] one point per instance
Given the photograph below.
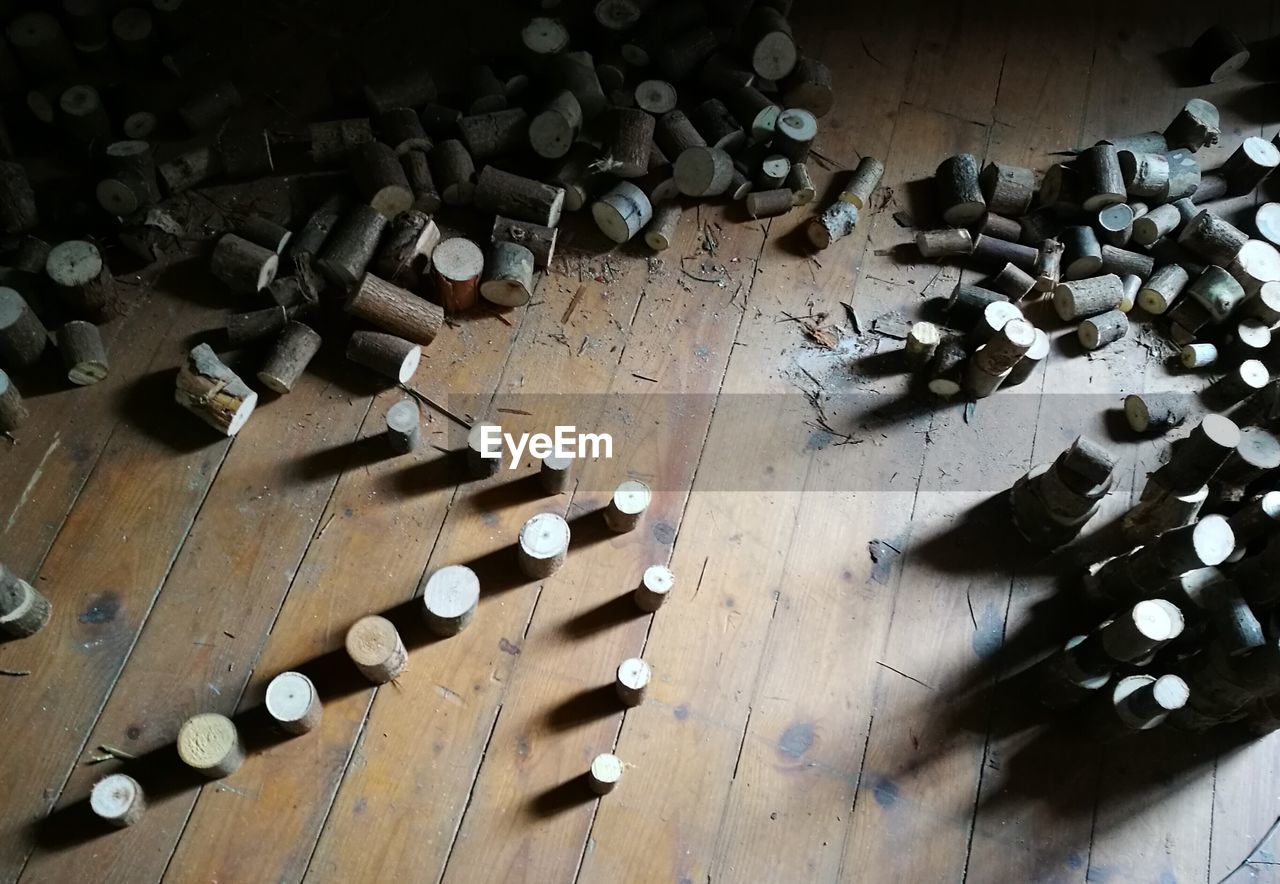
(386, 354)
(1162, 289)
(449, 599)
(190, 169)
(1106, 328)
(83, 353)
(941, 243)
(12, 410)
(625, 209)
(255, 325)
(1218, 53)
(117, 799)
(213, 392)
(1156, 413)
(334, 141)
(417, 170)
(23, 336)
(1082, 298)
(395, 310)
(537, 238)
(23, 610)
(1196, 458)
(556, 474)
(264, 232)
(1008, 189)
(553, 131)
(516, 197)
(210, 744)
(294, 350)
(351, 246)
(495, 134)
(1252, 162)
(244, 266)
(1216, 290)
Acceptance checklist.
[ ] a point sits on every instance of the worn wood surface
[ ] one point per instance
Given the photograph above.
(837, 681)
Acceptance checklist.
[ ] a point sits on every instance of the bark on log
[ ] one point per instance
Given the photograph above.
(959, 190)
(968, 301)
(374, 646)
(1008, 189)
(946, 369)
(1195, 126)
(449, 599)
(921, 343)
(1218, 53)
(130, 182)
(1160, 221)
(1256, 264)
(1145, 174)
(773, 170)
(1123, 262)
(1106, 328)
(576, 71)
(1000, 227)
(417, 171)
(456, 267)
(629, 143)
(117, 799)
(246, 328)
(406, 248)
(537, 238)
(497, 134)
(940, 243)
(17, 200)
(703, 171)
(351, 246)
(998, 252)
(454, 172)
(554, 130)
(675, 133)
(809, 87)
(1114, 224)
(400, 128)
(82, 279)
(757, 113)
(767, 36)
(12, 410)
(264, 232)
(1250, 164)
(1082, 253)
(1264, 305)
(800, 185)
(769, 203)
(23, 610)
(1013, 282)
(294, 350)
(1048, 269)
(1162, 289)
(388, 355)
(23, 336)
(404, 426)
(190, 169)
(243, 266)
(521, 198)
(1217, 291)
(83, 353)
(544, 541)
(605, 772)
(395, 310)
(381, 178)
(1026, 366)
(622, 212)
(632, 681)
(213, 392)
(334, 141)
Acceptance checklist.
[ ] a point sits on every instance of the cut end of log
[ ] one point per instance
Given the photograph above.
(655, 587)
(630, 500)
(376, 649)
(449, 597)
(117, 799)
(292, 701)
(606, 770)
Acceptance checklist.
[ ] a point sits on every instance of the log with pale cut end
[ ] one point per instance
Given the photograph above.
(17, 200)
(482, 461)
(770, 47)
(575, 175)
(627, 506)
(1267, 222)
(606, 771)
(998, 252)
(1005, 346)
(207, 109)
(1123, 262)
(968, 302)
(718, 126)
(1195, 126)
(456, 267)
(772, 172)
(1207, 543)
(662, 229)
(351, 245)
(655, 588)
(1082, 253)
(1026, 366)
(374, 646)
(381, 178)
(400, 128)
(703, 171)
(210, 744)
(1156, 413)
(83, 116)
(623, 211)
(757, 113)
(630, 142)
(1213, 239)
(940, 243)
(1256, 264)
(1217, 291)
(404, 426)
(632, 681)
(1252, 162)
(1008, 189)
(508, 275)
(117, 799)
(334, 141)
(1164, 286)
(395, 310)
(244, 266)
(41, 46)
(836, 222)
(1114, 224)
(1264, 305)
(800, 184)
(543, 38)
(1098, 331)
(1144, 174)
(417, 171)
(83, 353)
(999, 227)
(130, 182)
(544, 541)
(1196, 458)
(1132, 284)
(795, 130)
(412, 87)
(537, 238)
(264, 232)
(449, 598)
(1248, 339)
(23, 610)
(516, 197)
(386, 354)
(140, 125)
(1161, 510)
(769, 203)
(1081, 298)
(946, 369)
(556, 474)
(1013, 282)
(1256, 518)
(190, 169)
(993, 317)
(554, 129)
(293, 351)
(294, 703)
(1135, 633)
(23, 336)
(1149, 703)
(921, 343)
(81, 277)
(959, 190)
(495, 134)
(213, 392)
(12, 410)
(658, 97)
(485, 92)
(406, 248)
(1217, 54)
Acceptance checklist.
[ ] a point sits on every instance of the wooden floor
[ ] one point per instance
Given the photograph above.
(826, 704)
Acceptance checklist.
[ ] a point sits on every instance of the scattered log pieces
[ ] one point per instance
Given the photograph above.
(773, 170)
(1098, 331)
(1196, 458)
(1135, 633)
(632, 681)
(809, 87)
(246, 328)
(1161, 510)
(921, 343)
(555, 128)
(213, 392)
(1162, 289)
(83, 353)
(521, 198)
(381, 179)
(210, 107)
(606, 771)
(351, 246)
(1197, 125)
(375, 647)
(449, 598)
(210, 744)
(456, 267)
(130, 182)
(968, 302)
(508, 275)
(991, 362)
(655, 588)
(388, 355)
(940, 243)
(625, 209)
(23, 610)
(395, 310)
(12, 411)
(294, 350)
(544, 541)
(1217, 291)
(537, 238)
(1007, 189)
(495, 134)
(17, 200)
(1218, 53)
(1141, 702)
(627, 506)
(410, 240)
(404, 421)
(1082, 298)
(117, 799)
(1033, 358)
(23, 336)
(244, 266)
(959, 190)
(190, 169)
(294, 703)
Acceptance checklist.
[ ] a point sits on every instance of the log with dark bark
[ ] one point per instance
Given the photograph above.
(255, 325)
(244, 266)
(417, 171)
(508, 275)
(83, 353)
(17, 200)
(294, 350)
(959, 190)
(406, 249)
(351, 246)
(395, 310)
(334, 141)
(12, 410)
(496, 134)
(130, 182)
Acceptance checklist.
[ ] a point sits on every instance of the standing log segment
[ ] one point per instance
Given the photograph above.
(655, 588)
(632, 681)
(130, 182)
(351, 246)
(17, 199)
(83, 353)
(606, 771)
(767, 36)
(796, 130)
(82, 115)
(247, 328)
(1197, 125)
(23, 336)
(959, 190)
(456, 266)
(294, 703)
(449, 599)
(210, 744)
(41, 46)
(495, 134)
(1026, 366)
(946, 369)
(1082, 253)
(544, 542)
(543, 38)
(23, 610)
(410, 240)
(12, 410)
(294, 350)
(508, 277)
(627, 506)
(1081, 298)
(404, 426)
(381, 178)
(625, 210)
(395, 310)
(1114, 224)
(1264, 306)
(244, 266)
(809, 87)
(454, 172)
(556, 474)
(1008, 189)
(388, 355)
(994, 316)
(703, 171)
(375, 647)
(521, 198)
(1267, 222)
(81, 278)
(1048, 267)
(213, 392)
(1100, 174)
(117, 799)
(482, 463)
(718, 126)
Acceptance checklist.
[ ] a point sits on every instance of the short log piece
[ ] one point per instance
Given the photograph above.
(405, 249)
(454, 172)
(118, 800)
(83, 354)
(351, 245)
(23, 610)
(12, 410)
(294, 350)
(388, 355)
(508, 275)
(245, 267)
(1099, 331)
(376, 649)
(543, 544)
(631, 681)
(627, 506)
(23, 337)
(449, 599)
(213, 392)
(404, 426)
(210, 744)
(293, 703)
(655, 588)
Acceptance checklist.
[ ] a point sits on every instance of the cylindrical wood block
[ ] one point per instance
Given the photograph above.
(1196, 458)
(334, 141)
(661, 230)
(1160, 221)
(381, 178)
(1048, 267)
(1099, 168)
(1098, 331)
(255, 325)
(1217, 291)
(495, 134)
(190, 169)
(998, 252)
(1034, 357)
(449, 599)
(623, 211)
(947, 368)
(351, 246)
(1082, 298)
(1205, 544)
(244, 266)
(675, 133)
(1218, 53)
(83, 116)
(1114, 224)
(1253, 161)
(655, 588)
(772, 171)
(388, 355)
(374, 646)
(294, 703)
(456, 267)
(396, 310)
(454, 172)
(1256, 264)
(118, 800)
(767, 36)
(213, 392)
(809, 87)
(1267, 222)
(544, 541)
(1013, 282)
(521, 198)
(993, 318)
(921, 343)
(1145, 174)
(1138, 631)
(18, 212)
(482, 464)
(1256, 518)
(210, 744)
(1005, 347)
(800, 185)
(866, 178)
(404, 426)
(1263, 306)
(553, 131)
(630, 139)
(627, 506)
(835, 223)
(999, 227)
(1132, 284)
(23, 610)
(703, 171)
(400, 128)
(543, 38)
(23, 336)
(41, 46)
(207, 109)
(83, 353)
(130, 182)
(959, 190)
(1082, 253)
(555, 474)
(81, 277)
(1164, 286)
(769, 203)
(968, 302)
(1195, 126)
(1156, 412)
(508, 275)
(294, 349)
(264, 232)
(408, 244)
(12, 410)
(605, 772)
(1008, 189)
(538, 239)
(576, 71)
(417, 171)
(718, 126)
(632, 681)
(1212, 238)
(940, 243)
